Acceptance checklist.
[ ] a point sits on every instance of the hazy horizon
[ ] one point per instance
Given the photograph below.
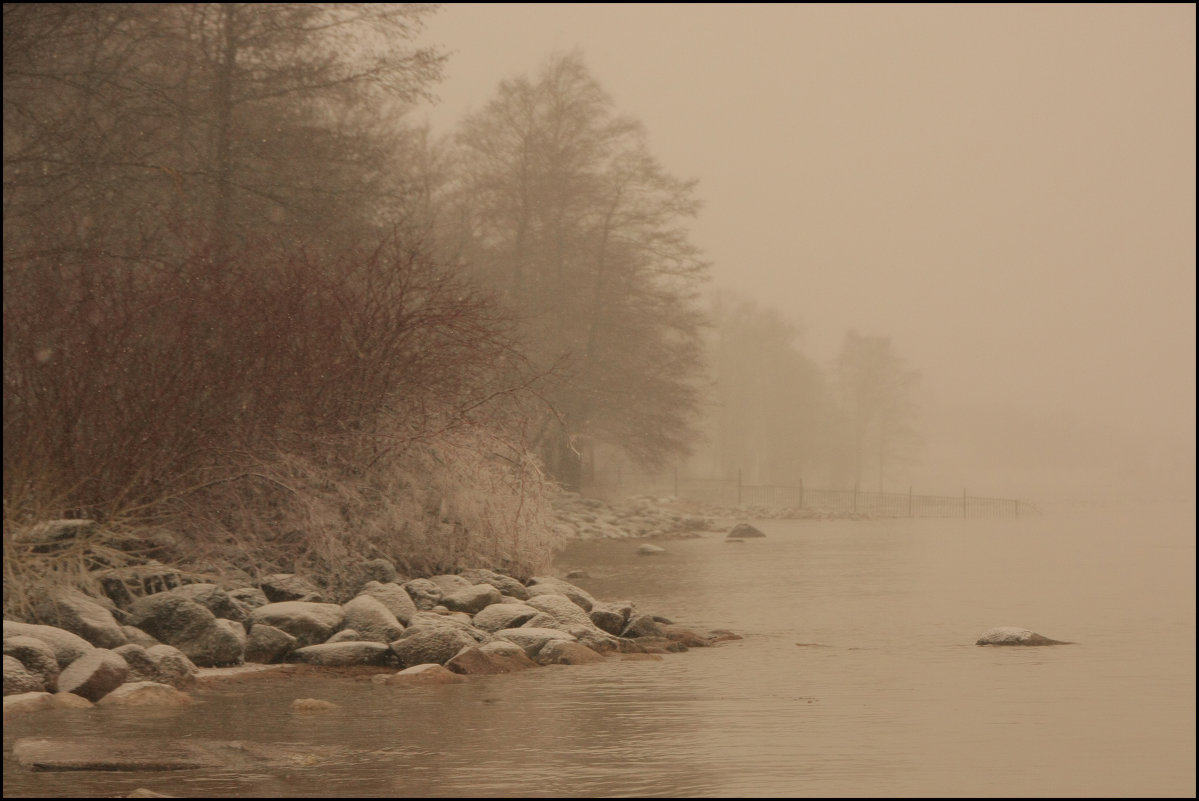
(1007, 192)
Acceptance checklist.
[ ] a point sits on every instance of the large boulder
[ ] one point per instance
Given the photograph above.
(189, 626)
(548, 585)
(266, 644)
(419, 676)
(1014, 635)
(94, 675)
(643, 626)
(371, 619)
(394, 597)
(161, 664)
(611, 617)
(531, 640)
(505, 584)
(282, 587)
(743, 531)
(19, 679)
(309, 622)
(248, 598)
(436, 644)
(146, 693)
(490, 659)
(471, 598)
(564, 611)
(72, 610)
(344, 654)
(214, 599)
(424, 593)
(37, 657)
(504, 616)
(448, 582)
(67, 647)
(565, 652)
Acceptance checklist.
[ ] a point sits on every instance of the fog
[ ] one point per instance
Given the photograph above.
(1006, 191)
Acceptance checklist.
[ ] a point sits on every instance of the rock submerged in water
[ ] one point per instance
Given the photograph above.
(1014, 635)
(743, 530)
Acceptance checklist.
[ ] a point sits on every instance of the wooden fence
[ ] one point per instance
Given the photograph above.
(718, 492)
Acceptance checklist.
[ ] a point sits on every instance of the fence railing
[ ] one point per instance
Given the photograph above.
(718, 492)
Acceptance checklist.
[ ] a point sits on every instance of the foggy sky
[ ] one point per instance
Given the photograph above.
(1007, 191)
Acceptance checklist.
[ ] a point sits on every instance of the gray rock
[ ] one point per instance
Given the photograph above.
(67, 647)
(424, 593)
(371, 619)
(505, 584)
(449, 583)
(248, 598)
(743, 531)
(1014, 635)
(190, 627)
(282, 587)
(564, 652)
(70, 609)
(146, 693)
(309, 622)
(345, 635)
(379, 570)
(21, 703)
(394, 597)
(643, 626)
(611, 618)
(531, 640)
(486, 660)
(650, 550)
(136, 636)
(216, 600)
(344, 654)
(436, 644)
(160, 664)
(542, 585)
(37, 657)
(19, 679)
(562, 609)
(94, 675)
(504, 616)
(420, 675)
(541, 620)
(471, 599)
(266, 644)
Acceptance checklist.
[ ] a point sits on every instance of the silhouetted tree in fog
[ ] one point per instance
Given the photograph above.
(876, 392)
(568, 215)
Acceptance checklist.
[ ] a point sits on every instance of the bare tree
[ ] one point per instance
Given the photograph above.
(570, 217)
(876, 388)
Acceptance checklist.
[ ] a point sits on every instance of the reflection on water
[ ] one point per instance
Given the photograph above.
(893, 700)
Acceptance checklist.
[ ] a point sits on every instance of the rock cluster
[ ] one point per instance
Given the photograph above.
(475, 622)
(639, 516)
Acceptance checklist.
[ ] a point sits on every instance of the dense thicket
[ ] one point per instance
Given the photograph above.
(221, 312)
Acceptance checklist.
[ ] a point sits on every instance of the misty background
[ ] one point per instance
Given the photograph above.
(1006, 192)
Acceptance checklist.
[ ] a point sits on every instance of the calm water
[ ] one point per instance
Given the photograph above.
(889, 698)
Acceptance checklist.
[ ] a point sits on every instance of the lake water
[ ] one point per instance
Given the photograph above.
(886, 696)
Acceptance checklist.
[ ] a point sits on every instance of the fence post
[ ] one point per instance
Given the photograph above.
(801, 492)
(963, 504)
(738, 486)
